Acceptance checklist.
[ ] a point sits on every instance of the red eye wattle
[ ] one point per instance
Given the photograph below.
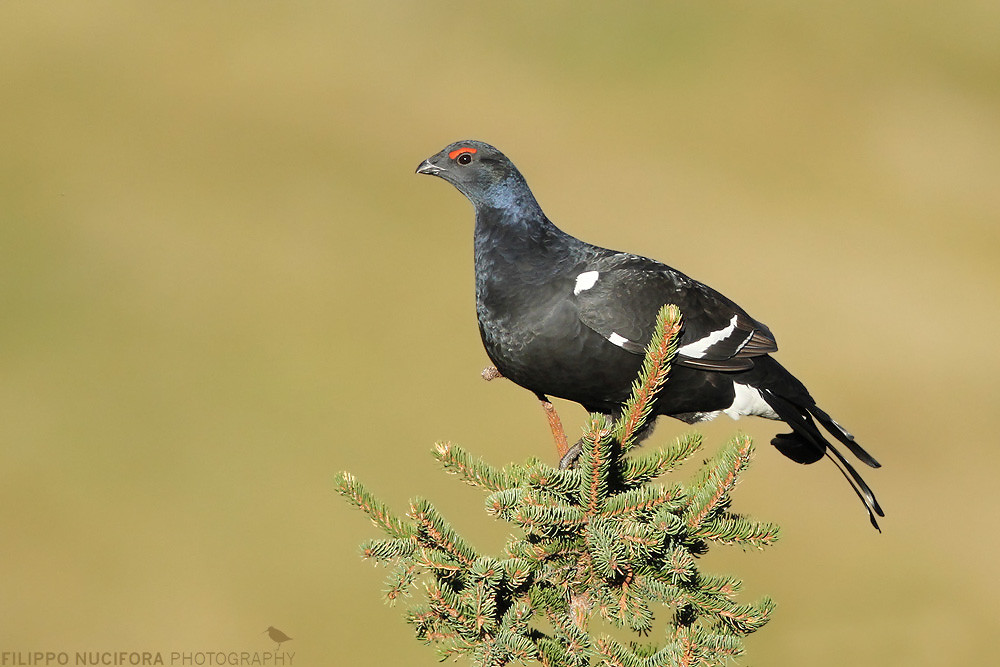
(462, 155)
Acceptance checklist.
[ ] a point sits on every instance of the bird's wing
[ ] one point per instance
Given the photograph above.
(618, 297)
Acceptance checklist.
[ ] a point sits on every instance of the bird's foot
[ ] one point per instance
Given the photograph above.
(491, 373)
(572, 456)
(555, 425)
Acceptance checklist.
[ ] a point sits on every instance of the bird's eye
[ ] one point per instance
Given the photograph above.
(464, 158)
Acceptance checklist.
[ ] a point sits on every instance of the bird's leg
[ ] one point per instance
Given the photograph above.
(555, 425)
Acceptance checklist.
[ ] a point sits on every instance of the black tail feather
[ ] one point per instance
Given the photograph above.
(842, 434)
(872, 511)
(806, 444)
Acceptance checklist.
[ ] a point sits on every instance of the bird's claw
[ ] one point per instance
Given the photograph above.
(572, 456)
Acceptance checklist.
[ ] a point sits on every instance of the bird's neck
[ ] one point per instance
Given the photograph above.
(516, 234)
(517, 252)
(511, 195)
(508, 213)
(517, 249)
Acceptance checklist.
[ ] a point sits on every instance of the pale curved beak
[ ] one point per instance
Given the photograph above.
(426, 167)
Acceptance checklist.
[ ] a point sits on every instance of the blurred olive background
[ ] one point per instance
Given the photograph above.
(221, 283)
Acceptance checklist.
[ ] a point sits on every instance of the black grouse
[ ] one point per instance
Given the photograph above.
(564, 318)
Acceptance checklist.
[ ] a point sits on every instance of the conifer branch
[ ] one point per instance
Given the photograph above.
(472, 470)
(638, 470)
(604, 540)
(711, 490)
(595, 463)
(655, 368)
(438, 533)
(381, 516)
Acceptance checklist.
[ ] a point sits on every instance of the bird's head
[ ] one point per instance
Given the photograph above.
(478, 170)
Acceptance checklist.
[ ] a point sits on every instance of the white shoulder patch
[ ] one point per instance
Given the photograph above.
(697, 349)
(748, 401)
(617, 339)
(585, 281)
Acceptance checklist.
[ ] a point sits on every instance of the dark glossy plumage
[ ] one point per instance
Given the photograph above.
(564, 318)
